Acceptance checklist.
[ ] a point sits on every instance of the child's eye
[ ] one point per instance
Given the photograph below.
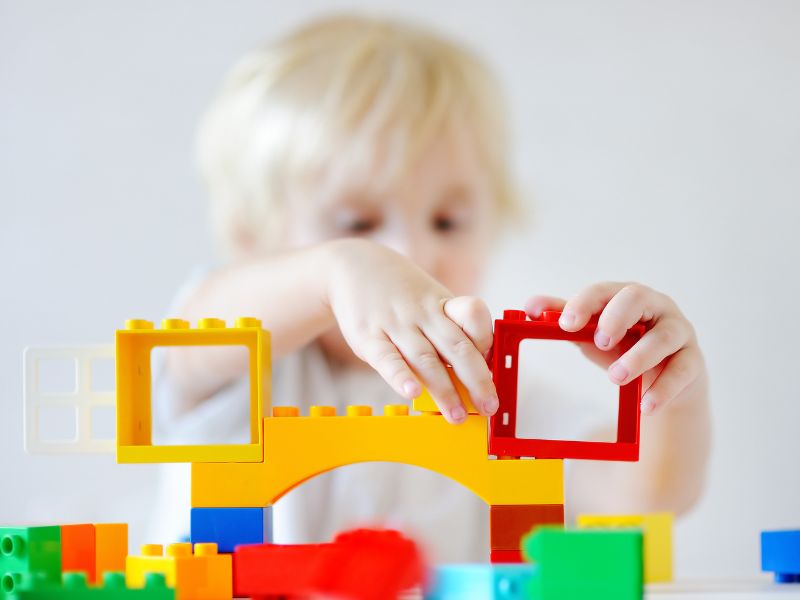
(445, 224)
(360, 226)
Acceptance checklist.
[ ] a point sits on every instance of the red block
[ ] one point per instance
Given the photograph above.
(361, 564)
(506, 556)
(373, 565)
(512, 329)
(78, 549)
(263, 570)
(509, 523)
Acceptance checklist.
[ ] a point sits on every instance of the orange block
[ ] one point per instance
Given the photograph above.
(111, 548)
(78, 549)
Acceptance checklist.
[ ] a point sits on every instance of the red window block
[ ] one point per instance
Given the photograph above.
(512, 329)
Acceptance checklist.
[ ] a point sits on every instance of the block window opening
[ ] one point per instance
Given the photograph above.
(562, 395)
(172, 402)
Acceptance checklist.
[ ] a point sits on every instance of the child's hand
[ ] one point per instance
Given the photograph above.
(406, 326)
(667, 356)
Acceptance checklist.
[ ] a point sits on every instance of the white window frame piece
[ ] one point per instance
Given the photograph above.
(83, 399)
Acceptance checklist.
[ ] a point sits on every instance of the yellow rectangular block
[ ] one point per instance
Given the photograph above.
(204, 575)
(298, 448)
(425, 403)
(134, 345)
(111, 548)
(657, 531)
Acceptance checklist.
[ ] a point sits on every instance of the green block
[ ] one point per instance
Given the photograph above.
(585, 563)
(75, 587)
(29, 552)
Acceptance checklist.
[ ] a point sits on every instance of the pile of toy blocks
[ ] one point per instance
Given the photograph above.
(606, 557)
(70, 562)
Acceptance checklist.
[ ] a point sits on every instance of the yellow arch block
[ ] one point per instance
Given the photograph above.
(298, 448)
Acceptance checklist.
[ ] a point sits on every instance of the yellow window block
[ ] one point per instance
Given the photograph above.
(204, 575)
(657, 530)
(134, 345)
(299, 448)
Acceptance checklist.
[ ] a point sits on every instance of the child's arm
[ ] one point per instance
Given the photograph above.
(393, 315)
(675, 443)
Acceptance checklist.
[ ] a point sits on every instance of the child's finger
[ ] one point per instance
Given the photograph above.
(424, 359)
(536, 305)
(382, 355)
(468, 363)
(630, 305)
(474, 318)
(590, 301)
(681, 370)
(666, 338)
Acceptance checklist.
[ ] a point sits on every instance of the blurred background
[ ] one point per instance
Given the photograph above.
(657, 142)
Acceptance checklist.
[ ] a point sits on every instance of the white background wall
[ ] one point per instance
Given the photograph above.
(661, 141)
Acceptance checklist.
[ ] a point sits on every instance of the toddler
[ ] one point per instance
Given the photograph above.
(358, 174)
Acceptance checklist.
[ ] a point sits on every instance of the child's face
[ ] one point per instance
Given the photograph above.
(441, 214)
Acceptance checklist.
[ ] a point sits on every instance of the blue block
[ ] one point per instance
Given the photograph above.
(480, 582)
(230, 527)
(780, 553)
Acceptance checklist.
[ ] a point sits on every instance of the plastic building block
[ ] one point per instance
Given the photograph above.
(78, 549)
(480, 582)
(277, 570)
(361, 564)
(780, 553)
(512, 329)
(84, 399)
(111, 545)
(75, 587)
(134, 424)
(585, 563)
(657, 531)
(508, 524)
(204, 575)
(229, 527)
(298, 448)
(505, 556)
(424, 402)
(372, 564)
(34, 552)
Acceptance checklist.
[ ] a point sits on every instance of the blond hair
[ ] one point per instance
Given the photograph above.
(353, 91)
